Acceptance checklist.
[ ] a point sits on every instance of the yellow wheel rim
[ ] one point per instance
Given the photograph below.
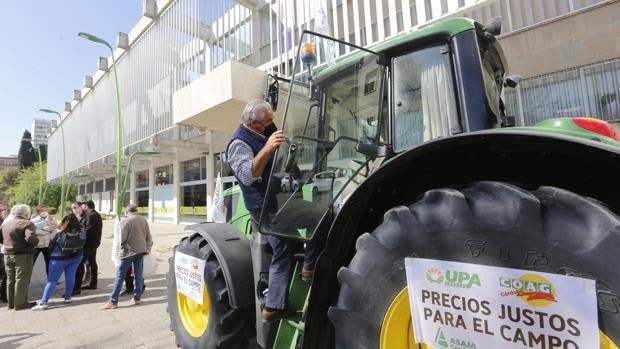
(397, 327)
(194, 316)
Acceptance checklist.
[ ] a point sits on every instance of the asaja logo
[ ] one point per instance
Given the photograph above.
(440, 339)
(434, 275)
(534, 289)
(442, 342)
(452, 278)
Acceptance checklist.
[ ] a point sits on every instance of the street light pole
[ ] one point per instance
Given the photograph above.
(119, 123)
(69, 183)
(139, 152)
(64, 156)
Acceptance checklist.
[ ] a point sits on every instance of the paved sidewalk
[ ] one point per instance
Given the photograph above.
(81, 324)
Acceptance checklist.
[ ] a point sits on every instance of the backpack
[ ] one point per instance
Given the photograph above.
(72, 242)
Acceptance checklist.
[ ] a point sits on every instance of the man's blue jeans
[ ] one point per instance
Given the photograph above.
(126, 263)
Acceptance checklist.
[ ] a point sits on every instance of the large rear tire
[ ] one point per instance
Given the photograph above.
(491, 223)
(214, 324)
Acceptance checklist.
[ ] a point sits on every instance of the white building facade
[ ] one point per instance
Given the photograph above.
(188, 67)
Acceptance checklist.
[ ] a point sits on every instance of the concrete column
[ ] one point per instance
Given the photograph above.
(211, 175)
(152, 192)
(132, 187)
(255, 36)
(176, 184)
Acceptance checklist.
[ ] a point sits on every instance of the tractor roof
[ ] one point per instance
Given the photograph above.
(448, 27)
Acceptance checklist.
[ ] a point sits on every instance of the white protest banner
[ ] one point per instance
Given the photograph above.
(189, 275)
(117, 251)
(461, 305)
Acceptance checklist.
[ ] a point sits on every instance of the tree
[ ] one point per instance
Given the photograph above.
(43, 148)
(27, 155)
(8, 176)
(25, 189)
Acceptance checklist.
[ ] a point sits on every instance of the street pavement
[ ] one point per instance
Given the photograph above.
(81, 324)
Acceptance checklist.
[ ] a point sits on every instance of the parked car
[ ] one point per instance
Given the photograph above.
(332, 179)
(289, 183)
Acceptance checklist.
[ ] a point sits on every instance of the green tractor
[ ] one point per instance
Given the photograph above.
(403, 150)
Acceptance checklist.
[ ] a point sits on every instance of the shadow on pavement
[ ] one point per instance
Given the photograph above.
(10, 341)
(154, 293)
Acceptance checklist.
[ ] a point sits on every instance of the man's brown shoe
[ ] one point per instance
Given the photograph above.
(24, 306)
(276, 314)
(135, 301)
(306, 274)
(107, 306)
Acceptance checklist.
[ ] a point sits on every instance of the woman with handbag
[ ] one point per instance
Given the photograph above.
(66, 247)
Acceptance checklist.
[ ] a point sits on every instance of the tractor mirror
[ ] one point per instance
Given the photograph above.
(273, 89)
(512, 81)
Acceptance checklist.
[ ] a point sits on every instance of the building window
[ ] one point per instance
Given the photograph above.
(194, 200)
(194, 170)
(99, 186)
(163, 175)
(142, 179)
(142, 201)
(89, 188)
(221, 165)
(109, 184)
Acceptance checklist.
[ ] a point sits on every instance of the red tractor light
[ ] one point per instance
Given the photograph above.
(598, 126)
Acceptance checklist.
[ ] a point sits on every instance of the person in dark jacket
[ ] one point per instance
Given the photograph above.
(4, 212)
(93, 226)
(19, 238)
(67, 261)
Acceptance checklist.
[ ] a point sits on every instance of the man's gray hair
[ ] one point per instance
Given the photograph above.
(255, 110)
(20, 210)
(131, 208)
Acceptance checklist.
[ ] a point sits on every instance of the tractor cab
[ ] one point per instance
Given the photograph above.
(345, 116)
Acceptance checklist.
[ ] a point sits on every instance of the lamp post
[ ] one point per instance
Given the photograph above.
(40, 167)
(64, 155)
(119, 122)
(69, 183)
(131, 157)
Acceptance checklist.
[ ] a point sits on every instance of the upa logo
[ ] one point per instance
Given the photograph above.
(534, 289)
(452, 278)
(434, 275)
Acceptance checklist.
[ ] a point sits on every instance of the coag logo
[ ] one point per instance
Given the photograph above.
(452, 278)
(195, 265)
(434, 275)
(533, 289)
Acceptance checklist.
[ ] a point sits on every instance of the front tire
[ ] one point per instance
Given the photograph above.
(492, 223)
(214, 324)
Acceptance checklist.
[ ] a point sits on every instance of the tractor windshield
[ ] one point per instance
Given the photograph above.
(333, 106)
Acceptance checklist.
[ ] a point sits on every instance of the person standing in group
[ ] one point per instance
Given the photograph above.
(136, 242)
(44, 224)
(4, 212)
(76, 209)
(93, 226)
(19, 238)
(66, 247)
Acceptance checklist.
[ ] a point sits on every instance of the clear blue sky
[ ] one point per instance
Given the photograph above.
(43, 59)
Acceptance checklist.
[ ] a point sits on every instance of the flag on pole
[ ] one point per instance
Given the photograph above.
(116, 243)
(322, 27)
(218, 209)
